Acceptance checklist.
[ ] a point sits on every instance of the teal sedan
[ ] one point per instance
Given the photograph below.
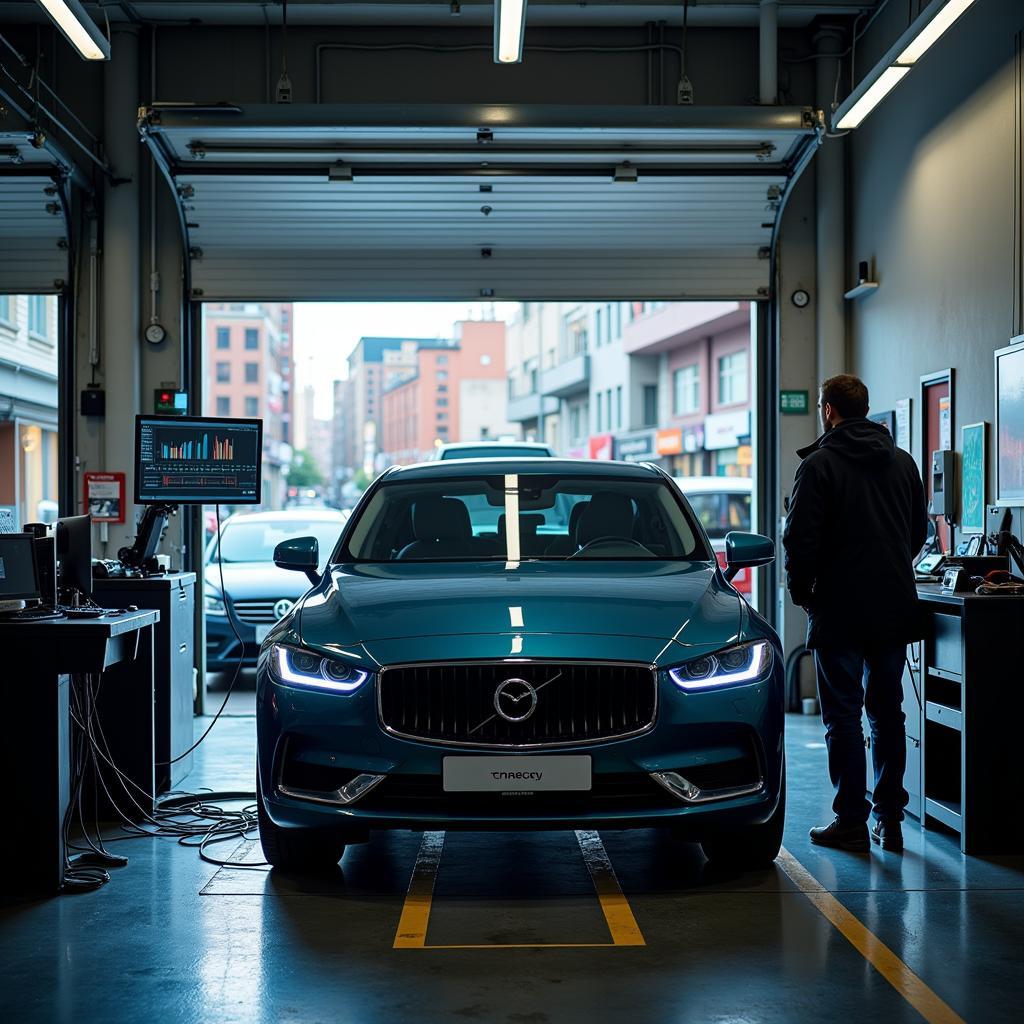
(521, 644)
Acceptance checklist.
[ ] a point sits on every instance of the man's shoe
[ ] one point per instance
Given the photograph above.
(889, 835)
(842, 837)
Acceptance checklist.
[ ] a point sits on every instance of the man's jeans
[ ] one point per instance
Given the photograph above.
(851, 679)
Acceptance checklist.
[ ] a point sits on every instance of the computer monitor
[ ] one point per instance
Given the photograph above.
(198, 460)
(74, 555)
(19, 576)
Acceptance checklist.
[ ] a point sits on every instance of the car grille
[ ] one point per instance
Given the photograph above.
(256, 612)
(576, 702)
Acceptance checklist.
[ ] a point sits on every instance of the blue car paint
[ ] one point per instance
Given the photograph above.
(641, 612)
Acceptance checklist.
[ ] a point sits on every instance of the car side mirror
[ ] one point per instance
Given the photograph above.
(746, 551)
(302, 554)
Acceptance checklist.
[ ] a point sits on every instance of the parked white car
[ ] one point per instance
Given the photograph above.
(721, 503)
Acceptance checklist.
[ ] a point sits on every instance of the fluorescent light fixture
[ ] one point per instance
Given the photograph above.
(933, 31)
(78, 28)
(926, 29)
(883, 85)
(509, 25)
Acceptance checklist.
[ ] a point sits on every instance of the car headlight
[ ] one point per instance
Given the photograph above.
(296, 667)
(745, 663)
(214, 603)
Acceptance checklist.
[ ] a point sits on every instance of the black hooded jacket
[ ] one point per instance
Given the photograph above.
(857, 517)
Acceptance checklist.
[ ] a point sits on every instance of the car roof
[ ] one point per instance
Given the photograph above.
(288, 514)
(715, 484)
(460, 445)
(524, 465)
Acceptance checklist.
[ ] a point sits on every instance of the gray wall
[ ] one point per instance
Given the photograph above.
(932, 206)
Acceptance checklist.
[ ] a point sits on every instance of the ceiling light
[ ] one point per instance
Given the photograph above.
(509, 25)
(78, 28)
(885, 83)
(933, 31)
(926, 29)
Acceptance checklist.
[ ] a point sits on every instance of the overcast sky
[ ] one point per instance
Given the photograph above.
(325, 333)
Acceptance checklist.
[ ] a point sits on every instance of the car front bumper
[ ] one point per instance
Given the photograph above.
(729, 742)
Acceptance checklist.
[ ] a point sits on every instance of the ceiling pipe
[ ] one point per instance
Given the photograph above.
(769, 52)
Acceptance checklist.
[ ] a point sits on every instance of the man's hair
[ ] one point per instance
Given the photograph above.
(846, 394)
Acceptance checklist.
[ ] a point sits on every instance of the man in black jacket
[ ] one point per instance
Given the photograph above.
(857, 517)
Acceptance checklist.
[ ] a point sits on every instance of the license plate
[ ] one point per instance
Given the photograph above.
(262, 632)
(528, 773)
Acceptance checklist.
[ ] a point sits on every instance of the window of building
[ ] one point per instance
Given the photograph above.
(574, 422)
(686, 391)
(598, 327)
(442, 360)
(526, 311)
(441, 415)
(576, 336)
(38, 316)
(252, 338)
(252, 373)
(442, 374)
(284, 317)
(223, 337)
(618, 406)
(599, 415)
(252, 405)
(285, 364)
(650, 405)
(442, 388)
(223, 405)
(442, 401)
(732, 378)
(618, 319)
(608, 408)
(6, 309)
(223, 373)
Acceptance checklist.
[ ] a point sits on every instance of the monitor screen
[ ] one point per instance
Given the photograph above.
(198, 460)
(19, 577)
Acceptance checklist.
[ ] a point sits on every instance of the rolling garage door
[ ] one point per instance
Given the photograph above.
(309, 203)
(33, 230)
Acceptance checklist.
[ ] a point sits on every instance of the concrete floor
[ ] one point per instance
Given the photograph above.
(171, 938)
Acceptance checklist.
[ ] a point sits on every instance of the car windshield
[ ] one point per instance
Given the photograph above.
(720, 512)
(254, 540)
(492, 452)
(523, 517)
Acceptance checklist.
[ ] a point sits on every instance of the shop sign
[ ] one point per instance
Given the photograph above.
(601, 447)
(635, 448)
(693, 440)
(794, 403)
(725, 429)
(669, 442)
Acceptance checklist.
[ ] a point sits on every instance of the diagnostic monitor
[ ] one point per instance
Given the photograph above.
(19, 575)
(198, 460)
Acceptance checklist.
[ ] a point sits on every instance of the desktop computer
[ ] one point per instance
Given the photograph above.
(19, 579)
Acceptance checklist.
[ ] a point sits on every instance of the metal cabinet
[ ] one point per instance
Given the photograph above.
(173, 595)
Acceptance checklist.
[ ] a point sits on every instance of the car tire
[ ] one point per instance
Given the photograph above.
(750, 847)
(303, 851)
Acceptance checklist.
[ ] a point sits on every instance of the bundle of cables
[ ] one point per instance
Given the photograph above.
(192, 819)
(999, 581)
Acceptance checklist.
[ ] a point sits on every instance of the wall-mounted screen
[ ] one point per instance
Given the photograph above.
(200, 460)
(1010, 425)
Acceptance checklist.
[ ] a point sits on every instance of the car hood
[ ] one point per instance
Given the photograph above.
(246, 581)
(407, 612)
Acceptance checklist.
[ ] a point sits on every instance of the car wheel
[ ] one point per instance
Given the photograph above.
(298, 850)
(752, 846)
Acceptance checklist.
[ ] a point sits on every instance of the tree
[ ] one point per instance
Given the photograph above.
(304, 472)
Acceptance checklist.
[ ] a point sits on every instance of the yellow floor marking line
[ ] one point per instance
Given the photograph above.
(412, 927)
(621, 922)
(877, 953)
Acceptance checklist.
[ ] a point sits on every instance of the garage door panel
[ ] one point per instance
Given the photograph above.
(428, 210)
(33, 236)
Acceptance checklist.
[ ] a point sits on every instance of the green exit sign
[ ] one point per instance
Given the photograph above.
(794, 403)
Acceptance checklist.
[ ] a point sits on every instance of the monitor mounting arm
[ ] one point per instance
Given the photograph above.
(142, 554)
